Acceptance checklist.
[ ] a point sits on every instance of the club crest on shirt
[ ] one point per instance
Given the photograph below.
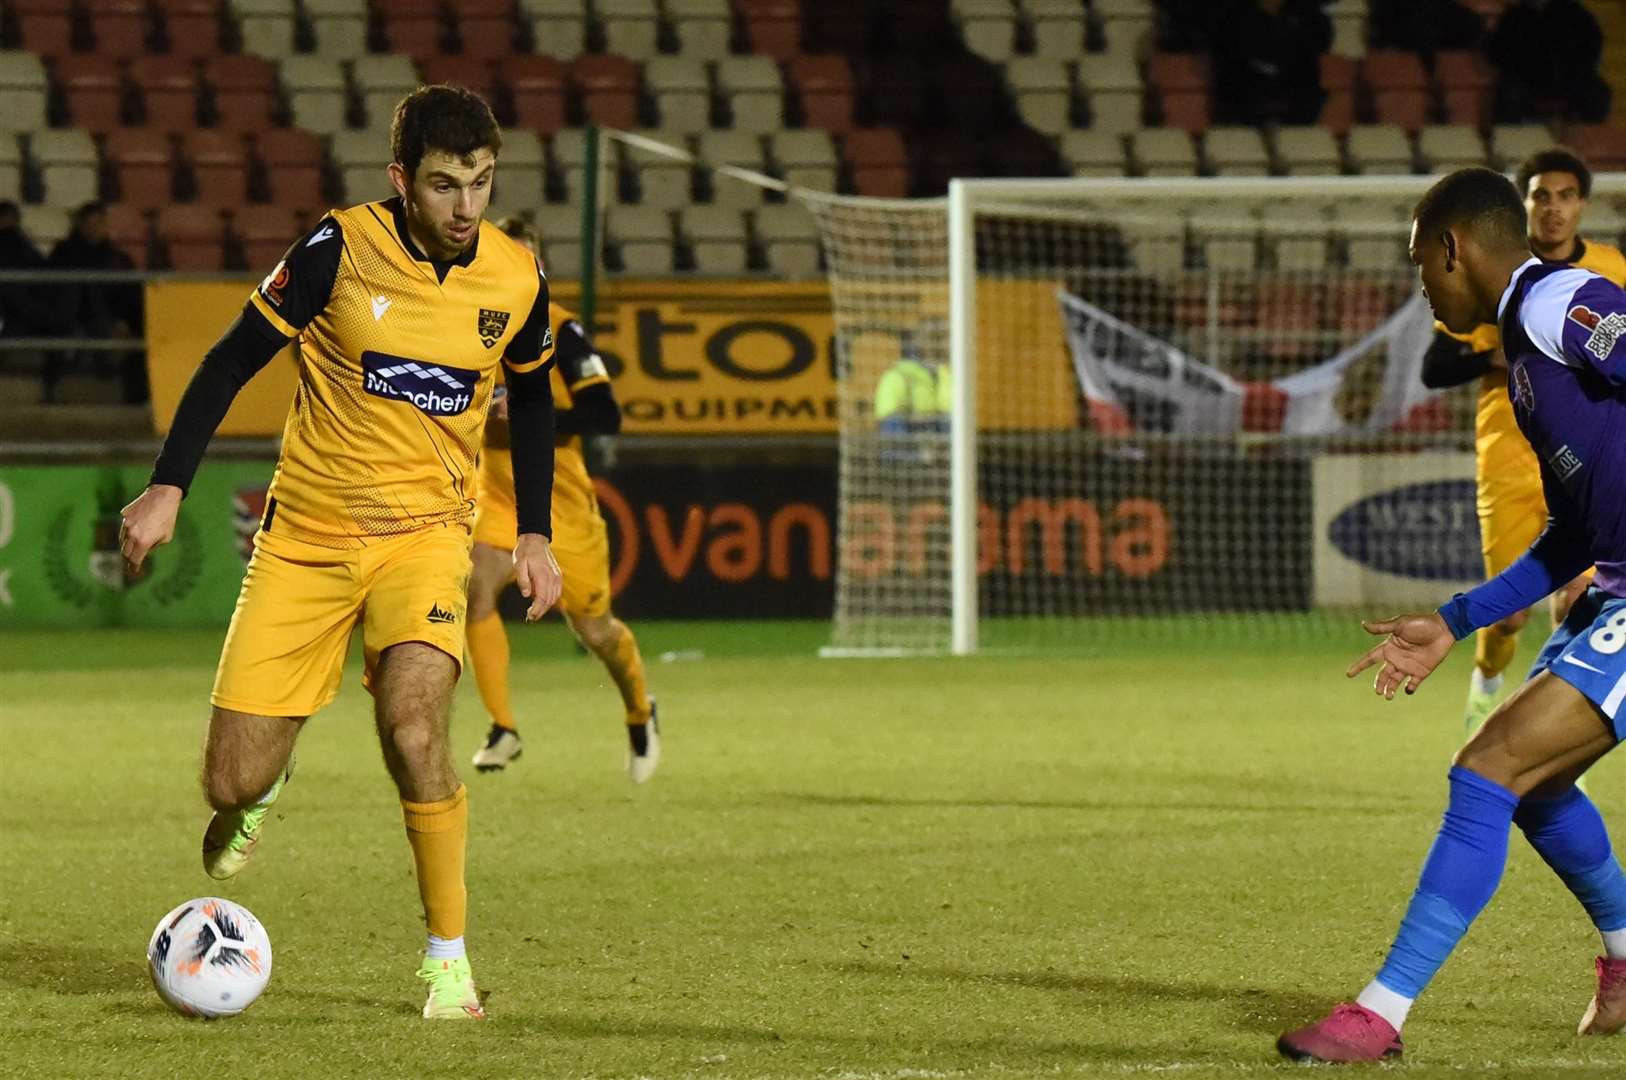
(1606, 330)
(1524, 395)
(276, 281)
(492, 325)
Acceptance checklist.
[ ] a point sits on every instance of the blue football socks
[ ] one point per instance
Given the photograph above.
(1568, 833)
(1459, 877)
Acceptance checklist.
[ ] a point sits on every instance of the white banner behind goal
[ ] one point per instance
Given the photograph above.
(1075, 409)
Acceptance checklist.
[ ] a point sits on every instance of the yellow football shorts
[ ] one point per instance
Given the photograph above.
(580, 543)
(284, 653)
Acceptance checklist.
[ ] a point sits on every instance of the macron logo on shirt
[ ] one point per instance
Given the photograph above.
(1606, 330)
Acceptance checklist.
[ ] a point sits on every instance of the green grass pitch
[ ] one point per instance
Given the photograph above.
(1145, 860)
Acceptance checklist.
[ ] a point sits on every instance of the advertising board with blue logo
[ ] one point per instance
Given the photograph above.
(1395, 529)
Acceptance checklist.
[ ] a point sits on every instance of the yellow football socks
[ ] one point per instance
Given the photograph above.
(1493, 650)
(438, 833)
(626, 667)
(488, 652)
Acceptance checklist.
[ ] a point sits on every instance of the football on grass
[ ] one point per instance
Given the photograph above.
(209, 958)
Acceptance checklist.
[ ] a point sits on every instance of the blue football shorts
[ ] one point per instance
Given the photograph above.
(1589, 652)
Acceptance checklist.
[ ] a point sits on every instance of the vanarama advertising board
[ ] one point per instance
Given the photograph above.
(690, 357)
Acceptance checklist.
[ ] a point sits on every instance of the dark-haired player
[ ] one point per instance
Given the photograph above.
(403, 311)
(1563, 331)
(1555, 184)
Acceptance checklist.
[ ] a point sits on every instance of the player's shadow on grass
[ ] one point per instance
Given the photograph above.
(62, 968)
(1137, 805)
(1253, 1008)
(576, 1025)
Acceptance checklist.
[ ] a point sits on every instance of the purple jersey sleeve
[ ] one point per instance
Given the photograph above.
(1594, 330)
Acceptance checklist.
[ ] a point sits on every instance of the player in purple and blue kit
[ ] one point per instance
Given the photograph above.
(1564, 333)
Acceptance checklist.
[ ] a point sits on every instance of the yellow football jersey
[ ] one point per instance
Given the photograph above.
(398, 358)
(1504, 456)
(575, 367)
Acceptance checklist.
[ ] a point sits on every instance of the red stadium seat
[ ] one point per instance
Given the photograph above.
(878, 162)
(168, 87)
(191, 28)
(1180, 83)
(119, 27)
(194, 237)
(244, 91)
(129, 231)
(1399, 88)
(265, 232)
(142, 165)
(536, 86)
(219, 162)
(44, 27)
(824, 86)
(773, 27)
(1338, 80)
(93, 90)
(415, 28)
(1466, 82)
(1602, 145)
(485, 28)
(292, 161)
(474, 73)
(609, 88)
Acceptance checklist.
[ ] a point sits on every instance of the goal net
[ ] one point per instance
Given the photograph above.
(1164, 406)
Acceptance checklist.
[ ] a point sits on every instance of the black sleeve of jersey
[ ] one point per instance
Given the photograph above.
(246, 347)
(593, 411)
(530, 429)
(1449, 362)
(533, 339)
(572, 353)
(299, 286)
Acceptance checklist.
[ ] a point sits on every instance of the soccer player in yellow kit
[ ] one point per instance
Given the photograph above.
(404, 311)
(1512, 510)
(584, 405)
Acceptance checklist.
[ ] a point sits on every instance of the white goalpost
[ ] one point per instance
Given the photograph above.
(1176, 403)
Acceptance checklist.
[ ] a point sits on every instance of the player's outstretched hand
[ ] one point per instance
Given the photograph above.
(147, 522)
(537, 573)
(1412, 647)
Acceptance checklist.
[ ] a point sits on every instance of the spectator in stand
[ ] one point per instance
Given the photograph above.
(1267, 61)
(17, 252)
(1424, 26)
(100, 309)
(1546, 53)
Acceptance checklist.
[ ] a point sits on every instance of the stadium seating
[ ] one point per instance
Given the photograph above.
(1512, 143)
(522, 180)
(558, 27)
(561, 230)
(485, 29)
(608, 86)
(192, 237)
(46, 225)
(754, 92)
(361, 160)
(1236, 151)
(413, 28)
(824, 91)
(168, 88)
(717, 238)
(24, 91)
(44, 27)
(1378, 149)
(242, 92)
(291, 163)
(266, 27)
(1057, 27)
(338, 26)
(141, 161)
(129, 229)
(1112, 88)
(642, 238)
(317, 93)
(1602, 145)
(263, 233)
(631, 27)
(877, 162)
(92, 90)
(190, 28)
(790, 240)
(1164, 152)
(218, 164)
(536, 91)
(805, 159)
(682, 92)
(1465, 80)
(381, 82)
(661, 181)
(118, 29)
(1179, 83)
(1043, 90)
(68, 165)
(741, 148)
(1308, 151)
(11, 165)
(774, 27)
(1094, 153)
(1398, 86)
(1444, 147)
(703, 28)
(989, 28)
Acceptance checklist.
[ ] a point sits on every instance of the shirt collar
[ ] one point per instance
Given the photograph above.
(442, 266)
(1507, 293)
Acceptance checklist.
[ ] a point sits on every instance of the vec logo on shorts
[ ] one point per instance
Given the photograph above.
(437, 389)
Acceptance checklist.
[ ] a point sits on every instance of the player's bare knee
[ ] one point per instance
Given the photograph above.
(1513, 623)
(598, 633)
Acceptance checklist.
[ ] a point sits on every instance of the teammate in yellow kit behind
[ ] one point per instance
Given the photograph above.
(404, 311)
(1555, 184)
(583, 406)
